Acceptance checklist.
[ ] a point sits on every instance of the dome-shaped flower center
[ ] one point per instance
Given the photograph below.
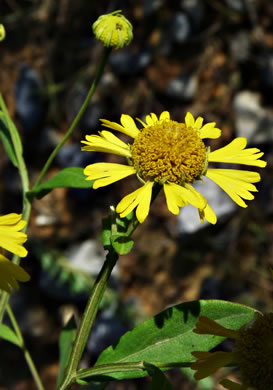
(169, 150)
(255, 353)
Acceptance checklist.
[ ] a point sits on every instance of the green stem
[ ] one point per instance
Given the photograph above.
(112, 368)
(88, 319)
(74, 124)
(27, 355)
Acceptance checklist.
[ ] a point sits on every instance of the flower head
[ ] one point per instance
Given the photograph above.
(253, 353)
(11, 239)
(113, 30)
(172, 155)
(2, 32)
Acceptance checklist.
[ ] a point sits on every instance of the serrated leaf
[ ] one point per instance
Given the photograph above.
(68, 177)
(169, 337)
(66, 339)
(8, 334)
(122, 243)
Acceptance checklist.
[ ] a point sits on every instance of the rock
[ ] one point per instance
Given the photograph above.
(252, 120)
(266, 69)
(188, 219)
(126, 62)
(29, 102)
(71, 155)
(87, 256)
(151, 6)
(183, 87)
(236, 5)
(180, 27)
(106, 331)
(240, 46)
(195, 9)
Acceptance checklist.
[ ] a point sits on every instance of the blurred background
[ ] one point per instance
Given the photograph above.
(211, 57)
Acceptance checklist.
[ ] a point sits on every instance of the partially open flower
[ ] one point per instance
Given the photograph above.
(11, 239)
(252, 354)
(113, 30)
(172, 155)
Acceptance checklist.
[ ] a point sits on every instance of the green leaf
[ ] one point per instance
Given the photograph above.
(159, 380)
(6, 140)
(122, 243)
(15, 137)
(169, 337)
(65, 346)
(7, 334)
(67, 177)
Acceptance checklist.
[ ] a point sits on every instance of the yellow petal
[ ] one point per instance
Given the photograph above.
(107, 173)
(236, 153)
(209, 362)
(189, 120)
(173, 198)
(10, 273)
(208, 214)
(106, 142)
(209, 131)
(164, 115)
(151, 119)
(129, 127)
(206, 325)
(198, 123)
(184, 195)
(141, 198)
(11, 238)
(195, 198)
(235, 183)
(10, 219)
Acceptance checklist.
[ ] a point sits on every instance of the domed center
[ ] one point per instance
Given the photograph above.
(169, 150)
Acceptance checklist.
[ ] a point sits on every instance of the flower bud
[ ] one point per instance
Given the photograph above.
(113, 30)
(2, 32)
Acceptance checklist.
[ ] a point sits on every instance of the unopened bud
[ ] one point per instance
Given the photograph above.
(2, 32)
(113, 30)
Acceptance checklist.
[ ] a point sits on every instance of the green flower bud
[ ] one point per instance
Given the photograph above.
(113, 30)
(2, 32)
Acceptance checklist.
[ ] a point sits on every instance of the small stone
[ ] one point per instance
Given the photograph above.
(180, 27)
(183, 87)
(240, 46)
(194, 8)
(252, 120)
(127, 62)
(236, 5)
(28, 99)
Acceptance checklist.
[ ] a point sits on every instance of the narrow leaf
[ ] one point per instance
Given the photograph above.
(65, 346)
(6, 140)
(8, 334)
(11, 126)
(67, 177)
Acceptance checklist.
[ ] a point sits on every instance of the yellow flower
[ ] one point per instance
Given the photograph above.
(253, 353)
(2, 32)
(173, 155)
(113, 29)
(11, 239)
